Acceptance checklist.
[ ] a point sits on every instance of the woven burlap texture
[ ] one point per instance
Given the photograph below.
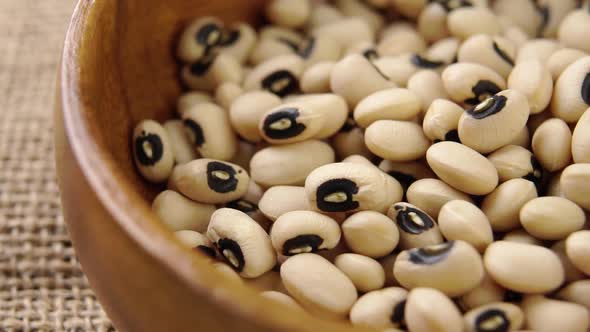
(41, 285)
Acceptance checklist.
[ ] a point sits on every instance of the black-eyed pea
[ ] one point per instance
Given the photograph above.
(497, 53)
(199, 38)
(365, 273)
(533, 79)
(271, 47)
(416, 228)
(521, 236)
(428, 86)
(316, 78)
(289, 164)
(397, 41)
(498, 316)
(442, 120)
(409, 8)
(251, 209)
(461, 220)
(242, 242)
(351, 187)
(290, 36)
(355, 77)
(210, 71)
(494, 122)
(462, 168)
(396, 140)
(432, 22)
(453, 267)
(360, 9)
(298, 232)
(561, 59)
(370, 233)
(323, 13)
(287, 13)
(331, 295)
(538, 49)
(431, 194)
(548, 315)
(247, 110)
(581, 139)
(209, 129)
(347, 31)
(281, 298)
(469, 21)
(575, 184)
(238, 41)
(576, 292)
(444, 50)
(382, 308)
(572, 30)
(421, 317)
(279, 75)
(556, 11)
(245, 152)
(226, 93)
(350, 140)
(390, 104)
(356, 158)
(406, 173)
(196, 241)
(515, 34)
(513, 161)
(318, 49)
(401, 68)
(535, 120)
(552, 144)
(551, 218)
(503, 205)
(182, 148)
(210, 181)
(152, 151)
(471, 83)
(188, 99)
(524, 268)
(180, 213)
(278, 200)
(329, 105)
(577, 247)
(524, 14)
(488, 291)
(572, 273)
(571, 96)
(523, 139)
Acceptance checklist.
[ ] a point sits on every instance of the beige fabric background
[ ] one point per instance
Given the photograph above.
(41, 285)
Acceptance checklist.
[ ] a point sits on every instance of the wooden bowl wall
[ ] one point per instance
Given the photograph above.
(118, 68)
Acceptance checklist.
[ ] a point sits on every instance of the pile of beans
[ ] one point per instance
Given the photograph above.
(409, 165)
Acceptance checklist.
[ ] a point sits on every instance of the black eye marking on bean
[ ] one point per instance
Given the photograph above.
(412, 220)
(398, 314)
(450, 5)
(586, 89)
(231, 248)
(419, 61)
(283, 124)
(431, 254)
(194, 132)
(221, 177)
(281, 83)
(488, 107)
(503, 54)
(536, 175)
(307, 48)
(149, 148)
(349, 125)
(302, 244)
(209, 35)
(492, 320)
(337, 195)
(229, 37)
(242, 205)
(201, 66)
(512, 297)
(371, 54)
(482, 89)
(289, 43)
(378, 70)
(543, 11)
(206, 250)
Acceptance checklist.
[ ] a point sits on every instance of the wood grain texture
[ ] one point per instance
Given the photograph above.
(118, 68)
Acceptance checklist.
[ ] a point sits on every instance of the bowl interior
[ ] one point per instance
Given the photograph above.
(119, 68)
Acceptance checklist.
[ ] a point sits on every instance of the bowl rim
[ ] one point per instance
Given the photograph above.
(114, 191)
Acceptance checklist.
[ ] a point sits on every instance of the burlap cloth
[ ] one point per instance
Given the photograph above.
(41, 285)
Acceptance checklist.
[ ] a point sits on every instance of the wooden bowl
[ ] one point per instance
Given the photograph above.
(117, 69)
